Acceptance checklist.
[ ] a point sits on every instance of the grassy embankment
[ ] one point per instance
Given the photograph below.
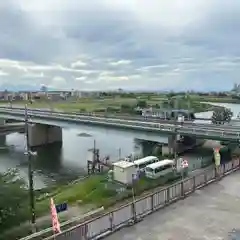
(214, 99)
(116, 105)
(95, 191)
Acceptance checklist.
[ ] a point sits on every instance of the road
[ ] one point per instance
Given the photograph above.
(208, 214)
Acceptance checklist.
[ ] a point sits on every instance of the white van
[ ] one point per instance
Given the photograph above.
(143, 162)
(158, 169)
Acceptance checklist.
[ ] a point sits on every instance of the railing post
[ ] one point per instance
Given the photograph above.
(194, 183)
(134, 212)
(167, 200)
(182, 189)
(111, 221)
(152, 202)
(205, 178)
(224, 168)
(84, 232)
(216, 173)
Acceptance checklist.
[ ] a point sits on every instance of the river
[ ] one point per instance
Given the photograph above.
(55, 163)
(69, 161)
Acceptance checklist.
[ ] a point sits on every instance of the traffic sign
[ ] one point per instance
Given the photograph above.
(61, 207)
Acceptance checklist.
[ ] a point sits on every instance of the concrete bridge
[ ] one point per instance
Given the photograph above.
(46, 126)
(7, 128)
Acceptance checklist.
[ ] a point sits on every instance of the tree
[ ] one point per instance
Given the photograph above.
(125, 108)
(221, 116)
(13, 194)
(142, 104)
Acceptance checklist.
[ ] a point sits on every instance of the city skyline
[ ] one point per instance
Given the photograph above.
(133, 45)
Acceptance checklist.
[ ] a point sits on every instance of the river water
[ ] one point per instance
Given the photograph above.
(56, 163)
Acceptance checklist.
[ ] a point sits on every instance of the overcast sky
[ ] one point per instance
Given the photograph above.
(129, 44)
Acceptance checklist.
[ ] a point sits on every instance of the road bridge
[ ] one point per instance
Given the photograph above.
(206, 131)
(120, 116)
(11, 127)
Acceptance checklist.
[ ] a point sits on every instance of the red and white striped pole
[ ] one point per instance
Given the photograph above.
(55, 222)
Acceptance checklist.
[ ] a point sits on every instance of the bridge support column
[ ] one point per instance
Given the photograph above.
(2, 140)
(172, 144)
(2, 121)
(40, 134)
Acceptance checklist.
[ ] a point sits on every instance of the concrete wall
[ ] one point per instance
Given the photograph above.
(2, 121)
(40, 134)
(2, 140)
(172, 144)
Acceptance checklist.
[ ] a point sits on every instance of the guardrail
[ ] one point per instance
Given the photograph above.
(106, 115)
(65, 225)
(208, 133)
(98, 120)
(131, 213)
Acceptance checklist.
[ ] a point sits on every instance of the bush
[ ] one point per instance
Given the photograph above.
(76, 192)
(142, 103)
(13, 205)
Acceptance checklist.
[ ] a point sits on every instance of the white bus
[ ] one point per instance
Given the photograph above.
(158, 169)
(143, 162)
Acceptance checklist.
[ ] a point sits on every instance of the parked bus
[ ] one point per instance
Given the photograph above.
(158, 169)
(143, 162)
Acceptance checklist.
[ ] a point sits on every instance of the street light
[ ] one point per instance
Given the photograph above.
(29, 154)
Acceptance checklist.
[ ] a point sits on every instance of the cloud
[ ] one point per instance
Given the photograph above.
(132, 44)
(120, 62)
(78, 64)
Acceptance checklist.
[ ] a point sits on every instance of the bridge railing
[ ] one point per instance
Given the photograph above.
(133, 212)
(98, 114)
(208, 132)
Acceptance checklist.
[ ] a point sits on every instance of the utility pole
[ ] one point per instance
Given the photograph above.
(119, 153)
(175, 135)
(29, 154)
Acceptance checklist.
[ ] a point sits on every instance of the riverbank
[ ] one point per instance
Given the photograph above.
(96, 191)
(81, 208)
(116, 105)
(80, 215)
(216, 99)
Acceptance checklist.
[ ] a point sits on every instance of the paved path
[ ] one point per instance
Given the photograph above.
(208, 214)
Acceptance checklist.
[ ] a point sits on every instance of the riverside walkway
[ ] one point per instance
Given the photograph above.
(211, 213)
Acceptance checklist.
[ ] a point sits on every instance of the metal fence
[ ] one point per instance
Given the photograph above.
(133, 212)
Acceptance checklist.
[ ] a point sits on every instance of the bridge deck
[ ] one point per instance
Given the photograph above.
(210, 214)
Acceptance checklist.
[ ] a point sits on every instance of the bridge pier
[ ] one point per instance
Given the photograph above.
(2, 121)
(2, 140)
(171, 147)
(41, 134)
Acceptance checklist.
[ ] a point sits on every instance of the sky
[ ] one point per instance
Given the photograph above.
(128, 44)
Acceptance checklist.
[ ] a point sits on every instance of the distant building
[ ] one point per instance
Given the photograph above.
(236, 89)
(166, 113)
(43, 88)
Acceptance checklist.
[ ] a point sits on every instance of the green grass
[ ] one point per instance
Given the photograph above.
(227, 99)
(113, 104)
(91, 190)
